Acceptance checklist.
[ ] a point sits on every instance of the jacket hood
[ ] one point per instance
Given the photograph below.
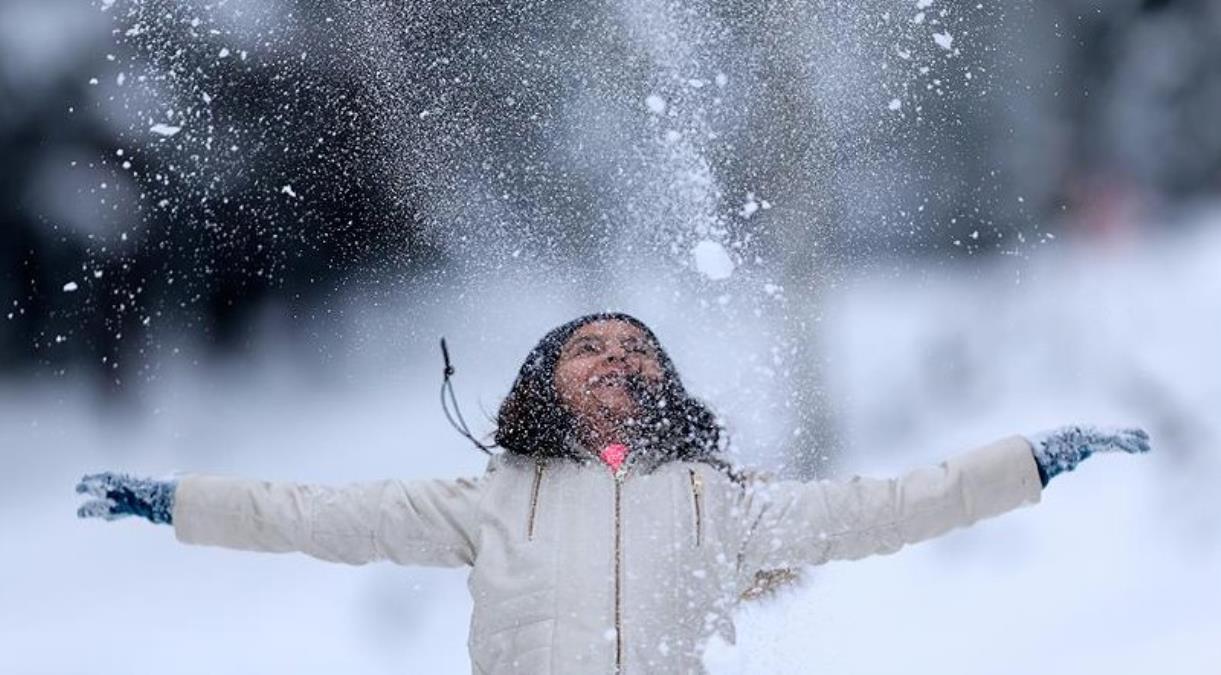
(533, 423)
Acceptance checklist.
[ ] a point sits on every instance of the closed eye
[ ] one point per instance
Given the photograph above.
(585, 346)
(637, 347)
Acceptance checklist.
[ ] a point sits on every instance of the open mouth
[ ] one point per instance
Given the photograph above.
(609, 380)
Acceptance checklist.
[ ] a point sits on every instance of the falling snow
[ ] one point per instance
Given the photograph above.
(324, 180)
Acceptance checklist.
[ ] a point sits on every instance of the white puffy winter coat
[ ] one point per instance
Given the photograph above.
(576, 571)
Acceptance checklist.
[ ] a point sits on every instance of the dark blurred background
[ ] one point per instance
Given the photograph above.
(321, 143)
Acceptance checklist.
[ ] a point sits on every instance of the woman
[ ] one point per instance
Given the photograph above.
(610, 535)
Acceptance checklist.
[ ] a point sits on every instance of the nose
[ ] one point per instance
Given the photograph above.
(615, 351)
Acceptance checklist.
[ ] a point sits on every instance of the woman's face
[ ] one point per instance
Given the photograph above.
(596, 364)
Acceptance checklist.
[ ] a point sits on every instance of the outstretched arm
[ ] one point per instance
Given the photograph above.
(795, 523)
(424, 522)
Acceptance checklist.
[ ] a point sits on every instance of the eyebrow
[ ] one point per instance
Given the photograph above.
(631, 339)
(584, 338)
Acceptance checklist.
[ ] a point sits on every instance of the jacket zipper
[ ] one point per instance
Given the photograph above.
(618, 576)
(538, 479)
(697, 491)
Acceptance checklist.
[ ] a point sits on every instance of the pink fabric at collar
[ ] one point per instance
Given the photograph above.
(613, 455)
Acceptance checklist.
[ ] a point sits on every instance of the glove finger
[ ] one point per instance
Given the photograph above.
(115, 514)
(1134, 442)
(92, 489)
(1140, 437)
(1138, 432)
(97, 484)
(97, 508)
(1124, 442)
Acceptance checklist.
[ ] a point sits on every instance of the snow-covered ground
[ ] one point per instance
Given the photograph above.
(1118, 570)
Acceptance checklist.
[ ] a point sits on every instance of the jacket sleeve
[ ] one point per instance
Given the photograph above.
(793, 523)
(423, 522)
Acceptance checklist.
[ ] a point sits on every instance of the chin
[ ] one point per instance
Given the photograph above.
(618, 408)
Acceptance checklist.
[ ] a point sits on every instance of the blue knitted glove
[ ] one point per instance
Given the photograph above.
(1060, 450)
(119, 495)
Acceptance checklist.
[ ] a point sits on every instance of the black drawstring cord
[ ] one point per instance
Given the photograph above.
(448, 387)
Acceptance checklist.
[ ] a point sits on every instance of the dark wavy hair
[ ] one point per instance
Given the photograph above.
(675, 426)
